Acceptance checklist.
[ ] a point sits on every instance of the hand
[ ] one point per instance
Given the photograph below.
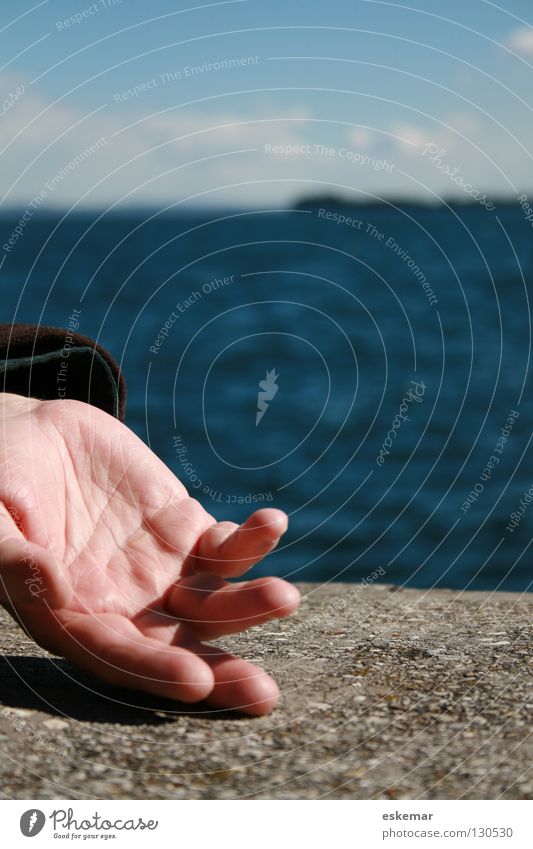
(104, 559)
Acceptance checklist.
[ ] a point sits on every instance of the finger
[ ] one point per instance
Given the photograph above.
(176, 525)
(29, 573)
(211, 607)
(239, 685)
(112, 648)
(231, 552)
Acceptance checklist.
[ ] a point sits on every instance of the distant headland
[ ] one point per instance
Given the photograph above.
(337, 201)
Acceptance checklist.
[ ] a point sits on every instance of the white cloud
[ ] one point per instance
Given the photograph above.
(410, 139)
(187, 151)
(141, 155)
(361, 138)
(521, 41)
(453, 133)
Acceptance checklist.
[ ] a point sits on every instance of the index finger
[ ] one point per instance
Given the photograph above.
(230, 550)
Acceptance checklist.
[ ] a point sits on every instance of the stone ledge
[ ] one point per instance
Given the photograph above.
(387, 693)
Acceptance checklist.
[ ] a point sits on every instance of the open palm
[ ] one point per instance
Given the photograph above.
(105, 559)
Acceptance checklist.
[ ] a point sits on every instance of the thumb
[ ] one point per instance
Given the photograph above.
(29, 573)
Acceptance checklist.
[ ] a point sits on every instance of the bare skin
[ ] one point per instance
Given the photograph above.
(105, 560)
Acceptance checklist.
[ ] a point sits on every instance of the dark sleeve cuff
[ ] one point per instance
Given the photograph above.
(57, 363)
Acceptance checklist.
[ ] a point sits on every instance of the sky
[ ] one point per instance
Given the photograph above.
(259, 102)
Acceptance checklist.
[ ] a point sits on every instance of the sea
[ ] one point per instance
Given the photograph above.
(364, 368)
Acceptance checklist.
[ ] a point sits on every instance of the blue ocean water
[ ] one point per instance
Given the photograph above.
(399, 343)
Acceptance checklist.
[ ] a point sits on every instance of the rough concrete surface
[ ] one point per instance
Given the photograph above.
(387, 693)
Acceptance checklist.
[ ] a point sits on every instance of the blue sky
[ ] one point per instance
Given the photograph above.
(261, 101)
